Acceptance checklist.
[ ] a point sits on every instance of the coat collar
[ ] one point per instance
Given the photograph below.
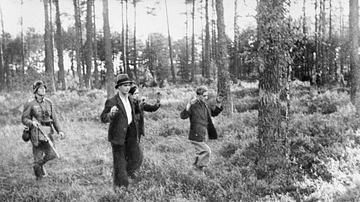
(120, 103)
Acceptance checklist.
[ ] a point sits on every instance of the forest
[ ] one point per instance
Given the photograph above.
(291, 86)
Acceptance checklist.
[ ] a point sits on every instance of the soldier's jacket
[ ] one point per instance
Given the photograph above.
(43, 112)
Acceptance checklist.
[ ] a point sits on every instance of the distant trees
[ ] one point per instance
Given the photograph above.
(156, 57)
(320, 54)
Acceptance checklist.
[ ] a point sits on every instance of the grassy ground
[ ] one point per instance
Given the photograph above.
(83, 173)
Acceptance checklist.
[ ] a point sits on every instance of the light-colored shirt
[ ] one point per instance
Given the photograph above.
(126, 102)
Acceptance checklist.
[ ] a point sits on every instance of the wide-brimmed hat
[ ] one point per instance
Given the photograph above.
(122, 79)
(37, 85)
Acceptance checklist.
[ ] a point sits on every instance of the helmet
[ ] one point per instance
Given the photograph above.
(37, 85)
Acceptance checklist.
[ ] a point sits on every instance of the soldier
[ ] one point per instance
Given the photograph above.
(40, 117)
(123, 132)
(201, 125)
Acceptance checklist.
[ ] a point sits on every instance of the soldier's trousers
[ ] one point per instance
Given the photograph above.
(127, 159)
(42, 154)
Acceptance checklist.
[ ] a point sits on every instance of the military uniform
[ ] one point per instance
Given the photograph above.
(42, 111)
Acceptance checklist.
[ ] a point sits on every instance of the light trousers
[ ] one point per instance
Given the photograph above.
(203, 153)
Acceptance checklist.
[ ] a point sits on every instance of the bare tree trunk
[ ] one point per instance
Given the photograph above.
(331, 50)
(272, 54)
(236, 41)
(207, 41)
(89, 42)
(2, 45)
(123, 38)
(22, 45)
(127, 42)
(214, 42)
(96, 70)
(59, 46)
(108, 60)
(193, 66)
(170, 48)
(314, 72)
(354, 56)
(78, 44)
(187, 41)
(49, 62)
(135, 49)
(223, 61)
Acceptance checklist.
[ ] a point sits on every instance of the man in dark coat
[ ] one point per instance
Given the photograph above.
(201, 125)
(140, 106)
(38, 113)
(123, 132)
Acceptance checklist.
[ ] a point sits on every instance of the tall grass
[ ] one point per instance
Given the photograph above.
(84, 171)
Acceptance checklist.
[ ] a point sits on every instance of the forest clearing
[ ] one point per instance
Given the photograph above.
(289, 86)
(323, 138)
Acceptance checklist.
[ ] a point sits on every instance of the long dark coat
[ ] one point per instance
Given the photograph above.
(118, 124)
(140, 107)
(200, 121)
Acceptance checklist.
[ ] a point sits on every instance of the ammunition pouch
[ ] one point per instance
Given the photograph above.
(26, 134)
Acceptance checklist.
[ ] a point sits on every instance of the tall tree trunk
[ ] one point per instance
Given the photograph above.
(135, 48)
(89, 42)
(193, 66)
(59, 46)
(2, 45)
(78, 43)
(272, 53)
(49, 62)
(127, 41)
(170, 47)
(123, 37)
(96, 70)
(354, 56)
(214, 34)
(52, 41)
(22, 44)
(236, 41)
(108, 60)
(331, 50)
(207, 41)
(316, 59)
(223, 61)
(187, 42)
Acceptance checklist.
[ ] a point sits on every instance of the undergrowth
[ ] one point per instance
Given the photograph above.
(322, 152)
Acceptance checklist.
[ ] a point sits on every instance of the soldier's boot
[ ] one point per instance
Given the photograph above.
(38, 172)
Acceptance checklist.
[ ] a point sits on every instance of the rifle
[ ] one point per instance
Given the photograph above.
(49, 141)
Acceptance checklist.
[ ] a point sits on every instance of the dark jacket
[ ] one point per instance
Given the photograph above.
(200, 121)
(140, 107)
(118, 123)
